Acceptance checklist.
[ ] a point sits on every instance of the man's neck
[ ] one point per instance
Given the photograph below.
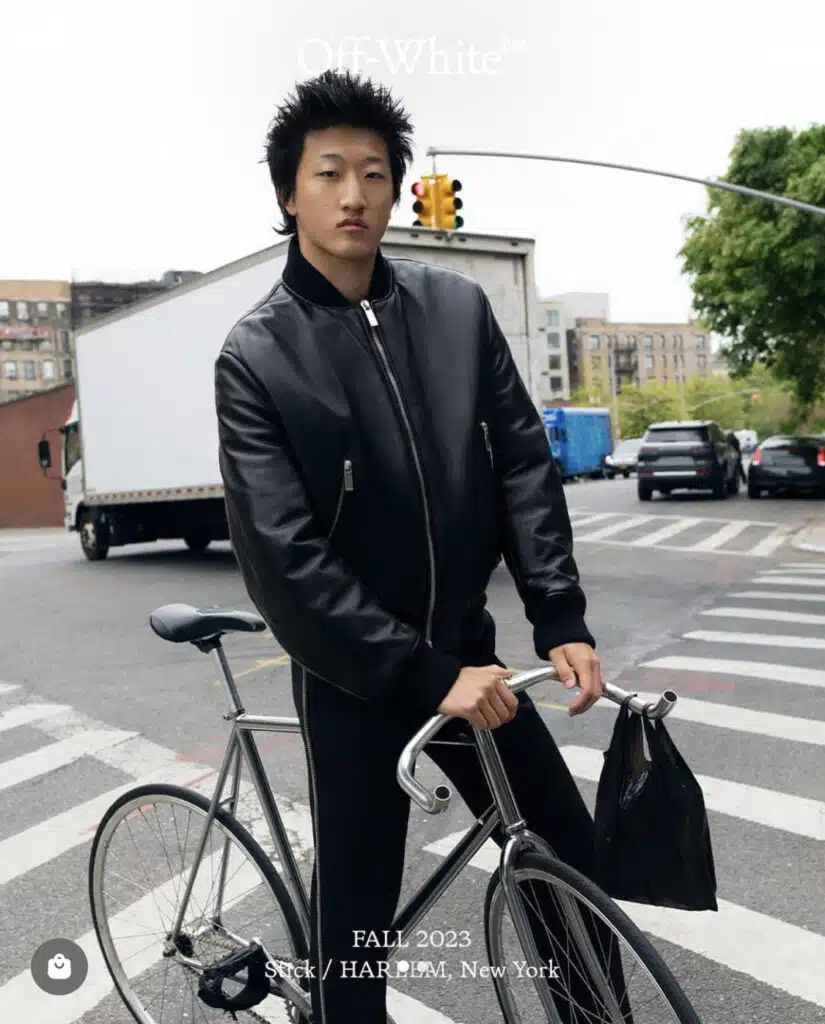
(351, 278)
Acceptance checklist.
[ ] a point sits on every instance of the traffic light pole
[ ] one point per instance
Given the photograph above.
(796, 204)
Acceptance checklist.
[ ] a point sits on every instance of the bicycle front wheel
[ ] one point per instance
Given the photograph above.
(594, 964)
(142, 858)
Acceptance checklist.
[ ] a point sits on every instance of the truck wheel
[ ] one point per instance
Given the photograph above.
(94, 537)
(197, 541)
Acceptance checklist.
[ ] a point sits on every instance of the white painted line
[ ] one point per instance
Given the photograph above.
(757, 639)
(775, 953)
(748, 669)
(782, 811)
(716, 540)
(736, 719)
(774, 540)
(788, 581)
(599, 518)
(406, 1010)
(26, 714)
(58, 755)
(609, 531)
(810, 566)
(767, 615)
(8, 687)
(665, 533)
(769, 595)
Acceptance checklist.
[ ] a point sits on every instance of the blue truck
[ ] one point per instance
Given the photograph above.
(579, 437)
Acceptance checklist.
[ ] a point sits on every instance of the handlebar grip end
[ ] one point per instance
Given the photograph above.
(443, 795)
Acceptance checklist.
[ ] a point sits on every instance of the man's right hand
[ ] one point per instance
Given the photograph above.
(480, 696)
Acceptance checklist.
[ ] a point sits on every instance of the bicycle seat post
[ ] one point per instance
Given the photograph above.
(213, 645)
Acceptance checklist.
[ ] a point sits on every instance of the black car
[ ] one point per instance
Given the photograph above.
(793, 464)
(695, 455)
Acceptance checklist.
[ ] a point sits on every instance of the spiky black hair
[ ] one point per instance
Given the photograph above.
(335, 97)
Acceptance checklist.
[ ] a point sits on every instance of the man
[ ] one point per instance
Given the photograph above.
(380, 453)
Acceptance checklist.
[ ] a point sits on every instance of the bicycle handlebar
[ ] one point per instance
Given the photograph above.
(438, 800)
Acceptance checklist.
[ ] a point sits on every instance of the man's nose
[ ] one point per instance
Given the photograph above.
(353, 193)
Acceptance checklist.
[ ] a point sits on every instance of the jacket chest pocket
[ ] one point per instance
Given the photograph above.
(347, 486)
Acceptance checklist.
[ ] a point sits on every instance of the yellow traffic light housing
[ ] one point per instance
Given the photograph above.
(447, 204)
(424, 205)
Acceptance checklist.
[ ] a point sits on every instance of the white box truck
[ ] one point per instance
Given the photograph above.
(139, 456)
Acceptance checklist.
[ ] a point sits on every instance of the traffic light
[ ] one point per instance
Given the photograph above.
(424, 205)
(446, 203)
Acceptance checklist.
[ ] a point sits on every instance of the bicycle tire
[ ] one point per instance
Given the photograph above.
(238, 832)
(617, 920)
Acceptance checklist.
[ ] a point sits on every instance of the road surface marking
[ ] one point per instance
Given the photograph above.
(789, 581)
(753, 669)
(768, 807)
(599, 518)
(770, 595)
(58, 755)
(773, 541)
(26, 714)
(757, 639)
(665, 533)
(8, 687)
(716, 540)
(609, 531)
(810, 566)
(775, 953)
(767, 614)
(736, 719)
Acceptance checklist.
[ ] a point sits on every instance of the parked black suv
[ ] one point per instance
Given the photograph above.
(694, 455)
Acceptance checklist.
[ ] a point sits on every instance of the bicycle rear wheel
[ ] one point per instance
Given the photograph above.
(141, 859)
(595, 964)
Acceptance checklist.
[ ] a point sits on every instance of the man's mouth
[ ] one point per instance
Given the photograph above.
(353, 224)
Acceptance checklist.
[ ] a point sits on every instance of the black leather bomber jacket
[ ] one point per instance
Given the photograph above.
(378, 461)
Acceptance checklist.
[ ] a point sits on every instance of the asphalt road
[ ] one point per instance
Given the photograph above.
(707, 598)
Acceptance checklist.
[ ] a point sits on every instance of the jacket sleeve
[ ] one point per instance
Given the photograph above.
(319, 612)
(538, 537)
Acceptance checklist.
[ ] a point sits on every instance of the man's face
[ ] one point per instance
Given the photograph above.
(343, 176)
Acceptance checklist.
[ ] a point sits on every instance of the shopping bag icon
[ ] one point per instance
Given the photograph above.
(59, 967)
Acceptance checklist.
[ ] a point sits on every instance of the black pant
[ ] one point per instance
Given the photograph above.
(360, 817)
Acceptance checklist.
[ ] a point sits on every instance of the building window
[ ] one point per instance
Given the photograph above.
(593, 341)
(596, 360)
(663, 340)
(4, 311)
(554, 362)
(67, 369)
(557, 383)
(22, 311)
(552, 318)
(46, 345)
(60, 310)
(701, 361)
(29, 371)
(700, 341)
(554, 340)
(650, 362)
(48, 369)
(65, 342)
(10, 370)
(648, 341)
(42, 309)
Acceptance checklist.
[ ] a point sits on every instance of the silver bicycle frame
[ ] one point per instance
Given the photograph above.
(503, 811)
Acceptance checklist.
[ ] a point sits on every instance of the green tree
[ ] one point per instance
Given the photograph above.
(639, 407)
(757, 269)
(716, 398)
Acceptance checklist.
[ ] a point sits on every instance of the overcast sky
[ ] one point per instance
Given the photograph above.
(132, 132)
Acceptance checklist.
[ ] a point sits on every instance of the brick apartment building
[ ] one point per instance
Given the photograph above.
(35, 337)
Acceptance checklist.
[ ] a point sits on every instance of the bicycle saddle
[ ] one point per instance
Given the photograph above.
(180, 623)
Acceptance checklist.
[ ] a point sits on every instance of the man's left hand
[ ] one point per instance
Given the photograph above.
(577, 665)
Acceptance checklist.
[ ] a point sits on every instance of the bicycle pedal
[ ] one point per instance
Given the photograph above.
(251, 959)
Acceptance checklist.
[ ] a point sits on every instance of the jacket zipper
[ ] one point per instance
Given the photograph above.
(487, 444)
(372, 320)
(346, 485)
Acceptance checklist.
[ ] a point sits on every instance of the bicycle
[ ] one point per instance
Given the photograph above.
(266, 978)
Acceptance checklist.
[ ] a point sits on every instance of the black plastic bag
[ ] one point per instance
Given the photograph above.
(653, 841)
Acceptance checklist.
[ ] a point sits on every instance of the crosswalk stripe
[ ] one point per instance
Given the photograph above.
(58, 755)
(757, 639)
(664, 533)
(776, 953)
(768, 807)
(610, 531)
(774, 540)
(716, 540)
(766, 614)
(767, 595)
(809, 566)
(598, 518)
(729, 716)
(789, 581)
(8, 687)
(776, 673)
(27, 714)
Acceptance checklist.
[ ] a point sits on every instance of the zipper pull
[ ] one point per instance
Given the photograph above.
(487, 444)
(348, 484)
(371, 317)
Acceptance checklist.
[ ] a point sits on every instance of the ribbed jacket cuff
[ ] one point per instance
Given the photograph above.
(556, 630)
(430, 677)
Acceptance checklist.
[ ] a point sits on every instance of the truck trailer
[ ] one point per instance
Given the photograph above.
(139, 452)
(580, 438)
